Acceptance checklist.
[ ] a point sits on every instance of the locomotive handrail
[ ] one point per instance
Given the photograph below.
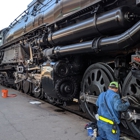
(17, 19)
(43, 5)
(26, 12)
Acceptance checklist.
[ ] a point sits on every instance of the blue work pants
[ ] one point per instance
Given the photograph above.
(104, 132)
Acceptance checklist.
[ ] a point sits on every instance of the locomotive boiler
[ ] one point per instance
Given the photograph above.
(66, 49)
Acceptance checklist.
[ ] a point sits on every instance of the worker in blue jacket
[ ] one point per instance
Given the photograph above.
(109, 106)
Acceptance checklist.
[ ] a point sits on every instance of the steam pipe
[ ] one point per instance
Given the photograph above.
(73, 49)
(112, 43)
(116, 19)
(122, 41)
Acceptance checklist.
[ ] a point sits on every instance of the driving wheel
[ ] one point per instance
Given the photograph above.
(95, 80)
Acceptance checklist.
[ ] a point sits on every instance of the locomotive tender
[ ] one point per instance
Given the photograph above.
(66, 49)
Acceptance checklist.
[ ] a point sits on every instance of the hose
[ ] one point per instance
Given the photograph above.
(12, 95)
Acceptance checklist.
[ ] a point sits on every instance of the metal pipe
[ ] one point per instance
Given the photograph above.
(34, 68)
(31, 55)
(74, 49)
(113, 43)
(122, 41)
(116, 19)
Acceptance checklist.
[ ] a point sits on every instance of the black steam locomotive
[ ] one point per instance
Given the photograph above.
(66, 49)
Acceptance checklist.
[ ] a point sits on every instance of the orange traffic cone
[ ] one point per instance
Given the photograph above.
(4, 93)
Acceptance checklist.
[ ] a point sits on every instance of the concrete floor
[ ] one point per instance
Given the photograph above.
(21, 120)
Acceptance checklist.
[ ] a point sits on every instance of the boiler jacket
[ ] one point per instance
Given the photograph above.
(115, 105)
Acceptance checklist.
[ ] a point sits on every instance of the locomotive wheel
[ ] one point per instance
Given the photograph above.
(5, 82)
(30, 90)
(49, 99)
(18, 86)
(95, 80)
(131, 86)
(42, 94)
(36, 94)
(52, 100)
(66, 89)
(26, 87)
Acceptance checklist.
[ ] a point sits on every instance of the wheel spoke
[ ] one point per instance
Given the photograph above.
(26, 87)
(100, 79)
(96, 73)
(86, 84)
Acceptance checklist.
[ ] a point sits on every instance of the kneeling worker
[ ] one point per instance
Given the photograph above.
(109, 106)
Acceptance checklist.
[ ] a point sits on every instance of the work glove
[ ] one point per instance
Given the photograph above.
(126, 100)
